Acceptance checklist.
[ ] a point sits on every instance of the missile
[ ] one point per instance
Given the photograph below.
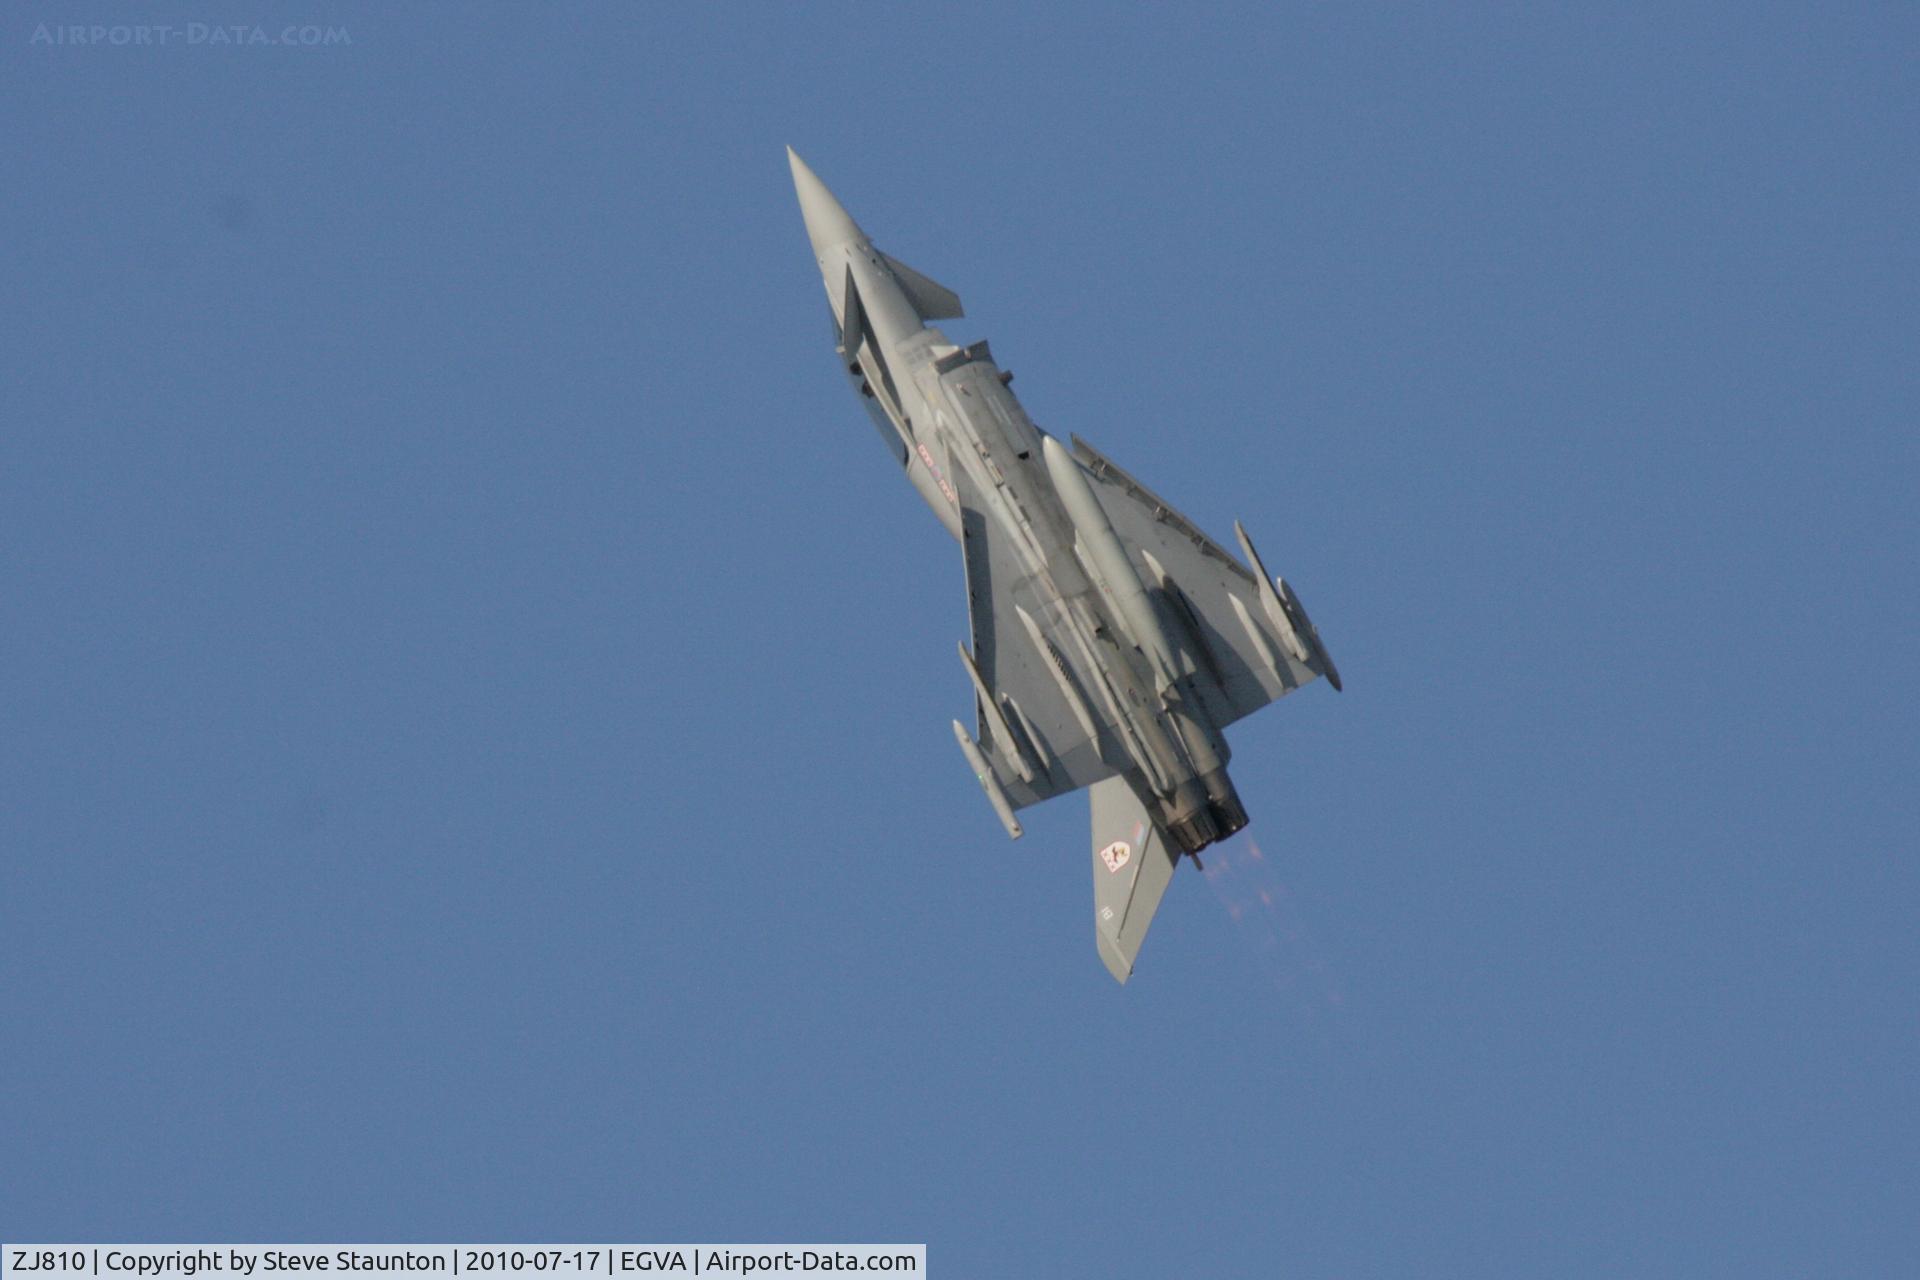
(1034, 742)
(1108, 563)
(990, 707)
(1284, 608)
(988, 783)
(1262, 643)
(1269, 598)
(1297, 610)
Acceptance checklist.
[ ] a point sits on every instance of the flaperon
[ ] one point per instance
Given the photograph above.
(1113, 642)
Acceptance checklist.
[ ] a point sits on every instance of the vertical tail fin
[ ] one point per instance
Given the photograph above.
(1132, 863)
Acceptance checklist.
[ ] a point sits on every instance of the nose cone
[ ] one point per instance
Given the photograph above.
(828, 225)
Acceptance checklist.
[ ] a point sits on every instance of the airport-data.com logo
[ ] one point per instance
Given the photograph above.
(188, 35)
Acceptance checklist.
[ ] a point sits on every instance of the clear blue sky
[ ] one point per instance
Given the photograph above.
(474, 693)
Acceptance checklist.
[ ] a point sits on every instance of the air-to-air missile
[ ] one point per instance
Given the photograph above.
(1113, 641)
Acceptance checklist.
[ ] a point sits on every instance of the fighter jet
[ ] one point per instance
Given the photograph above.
(1113, 642)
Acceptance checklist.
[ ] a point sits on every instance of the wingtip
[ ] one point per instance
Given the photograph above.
(1111, 957)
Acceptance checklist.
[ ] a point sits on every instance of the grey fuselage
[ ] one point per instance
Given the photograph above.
(947, 414)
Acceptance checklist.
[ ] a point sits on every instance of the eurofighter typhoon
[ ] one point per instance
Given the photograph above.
(1113, 642)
